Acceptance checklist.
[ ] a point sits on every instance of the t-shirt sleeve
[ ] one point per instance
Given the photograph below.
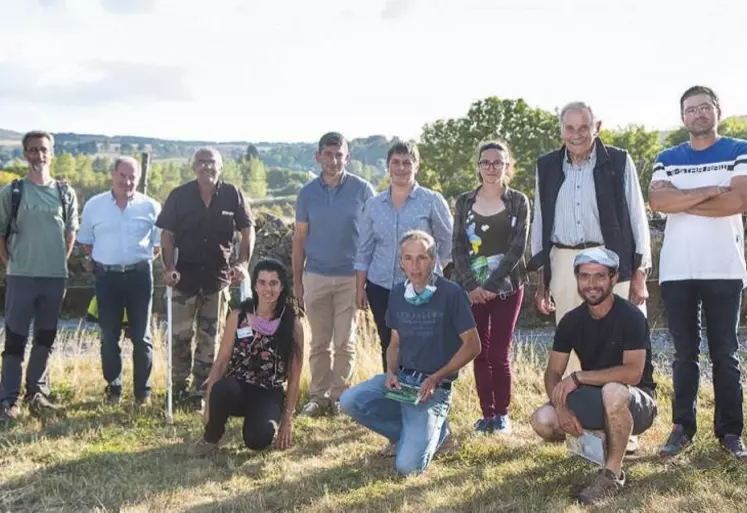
(5, 204)
(243, 215)
(302, 209)
(635, 331)
(563, 341)
(740, 159)
(461, 313)
(658, 173)
(85, 233)
(72, 223)
(167, 218)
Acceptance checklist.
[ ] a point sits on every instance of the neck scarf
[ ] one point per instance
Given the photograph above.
(264, 326)
(424, 296)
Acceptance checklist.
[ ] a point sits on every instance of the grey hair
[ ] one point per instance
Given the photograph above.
(424, 237)
(37, 134)
(575, 106)
(210, 149)
(122, 159)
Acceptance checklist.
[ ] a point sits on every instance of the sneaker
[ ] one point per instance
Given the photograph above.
(334, 409)
(484, 426)
(9, 412)
(196, 403)
(605, 485)
(312, 409)
(632, 448)
(734, 444)
(677, 442)
(449, 445)
(201, 448)
(390, 451)
(41, 407)
(502, 424)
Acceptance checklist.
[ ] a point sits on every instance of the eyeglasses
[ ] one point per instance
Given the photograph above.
(496, 164)
(34, 151)
(206, 164)
(703, 108)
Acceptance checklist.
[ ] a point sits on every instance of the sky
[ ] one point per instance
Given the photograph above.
(290, 70)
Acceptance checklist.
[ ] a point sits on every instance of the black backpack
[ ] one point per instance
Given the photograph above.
(16, 192)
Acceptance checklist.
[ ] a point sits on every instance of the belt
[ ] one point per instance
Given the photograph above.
(422, 376)
(122, 268)
(583, 245)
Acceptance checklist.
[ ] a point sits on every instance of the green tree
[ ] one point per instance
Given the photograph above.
(448, 146)
(254, 178)
(643, 146)
(63, 167)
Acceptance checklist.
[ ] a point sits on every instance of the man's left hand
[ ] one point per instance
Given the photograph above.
(428, 387)
(238, 273)
(638, 290)
(561, 391)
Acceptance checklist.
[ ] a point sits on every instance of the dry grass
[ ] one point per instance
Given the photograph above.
(110, 459)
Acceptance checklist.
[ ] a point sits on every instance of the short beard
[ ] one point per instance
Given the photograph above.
(702, 131)
(605, 294)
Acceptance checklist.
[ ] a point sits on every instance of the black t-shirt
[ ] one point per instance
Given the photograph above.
(599, 343)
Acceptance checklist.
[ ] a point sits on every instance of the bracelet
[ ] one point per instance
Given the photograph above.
(575, 379)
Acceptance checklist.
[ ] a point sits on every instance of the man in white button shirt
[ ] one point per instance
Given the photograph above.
(118, 231)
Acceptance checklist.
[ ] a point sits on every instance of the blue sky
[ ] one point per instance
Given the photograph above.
(293, 69)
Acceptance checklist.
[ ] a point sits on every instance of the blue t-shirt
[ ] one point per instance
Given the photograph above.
(699, 247)
(332, 214)
(429, 333)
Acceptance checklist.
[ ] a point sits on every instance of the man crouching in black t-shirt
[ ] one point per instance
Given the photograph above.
(615, 389)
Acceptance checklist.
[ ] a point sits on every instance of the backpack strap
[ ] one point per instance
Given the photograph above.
(62, 190)
(16, 192)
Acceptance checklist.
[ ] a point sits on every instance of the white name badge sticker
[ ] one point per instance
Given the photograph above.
(244, 332)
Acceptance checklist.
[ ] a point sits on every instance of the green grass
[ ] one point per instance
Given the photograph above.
(102, 458)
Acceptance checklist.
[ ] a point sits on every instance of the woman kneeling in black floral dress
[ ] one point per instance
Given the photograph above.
(261, 351)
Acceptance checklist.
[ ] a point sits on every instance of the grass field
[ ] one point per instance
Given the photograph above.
(102, 458)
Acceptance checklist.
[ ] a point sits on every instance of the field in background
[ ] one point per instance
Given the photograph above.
(104, 458)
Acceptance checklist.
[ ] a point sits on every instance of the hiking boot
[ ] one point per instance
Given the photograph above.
(734, 444)
(196, 403)
(632, 448)
(113, 398)
(41, 407)
(484, 426)
(335, 409)
(201, 448)
(502, 424)
(312, 409)
(142, 402)
(9, 412)
(677, 442)
(390, 451)
(449, 445)
(605, 485)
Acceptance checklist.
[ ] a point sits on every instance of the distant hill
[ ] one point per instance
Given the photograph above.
(10, 135)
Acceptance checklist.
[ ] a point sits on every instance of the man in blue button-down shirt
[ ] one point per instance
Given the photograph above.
(118, 231)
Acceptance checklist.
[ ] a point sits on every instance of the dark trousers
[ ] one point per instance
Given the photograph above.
(27, 299)
(261, 408)
(116, 292)
(496, 321)
(378, 299)
(720, 301)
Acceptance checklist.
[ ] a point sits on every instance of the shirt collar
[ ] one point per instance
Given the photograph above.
(414, 192)
(114, 199)
(326, 186)
(591, 158)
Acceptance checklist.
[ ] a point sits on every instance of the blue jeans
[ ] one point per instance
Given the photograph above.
(418, 430)
(720, 301)
(116, 291)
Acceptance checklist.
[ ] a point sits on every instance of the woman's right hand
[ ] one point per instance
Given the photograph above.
(477, 296)
(543, 302)
(361, 299)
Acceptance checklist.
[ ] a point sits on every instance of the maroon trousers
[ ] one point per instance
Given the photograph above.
(496, 321)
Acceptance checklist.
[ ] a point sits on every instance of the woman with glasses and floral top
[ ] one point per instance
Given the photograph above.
(490, 235)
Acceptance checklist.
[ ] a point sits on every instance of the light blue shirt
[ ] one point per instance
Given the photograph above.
(120, 237)
(332, 214)
(382, 226)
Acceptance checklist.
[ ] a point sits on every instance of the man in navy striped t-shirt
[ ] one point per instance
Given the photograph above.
(702, 187)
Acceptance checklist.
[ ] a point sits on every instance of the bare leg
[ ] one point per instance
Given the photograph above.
(618, 423)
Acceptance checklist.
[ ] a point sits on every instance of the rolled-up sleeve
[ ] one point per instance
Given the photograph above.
(442, 224)
(638, 217)
(365, 249)
(85, 233)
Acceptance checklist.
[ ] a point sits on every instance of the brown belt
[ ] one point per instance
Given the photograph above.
(583, 245)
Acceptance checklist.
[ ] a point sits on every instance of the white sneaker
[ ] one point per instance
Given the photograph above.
(632, 448)
(312, 409)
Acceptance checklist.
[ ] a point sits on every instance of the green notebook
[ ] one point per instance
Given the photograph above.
(406, 394)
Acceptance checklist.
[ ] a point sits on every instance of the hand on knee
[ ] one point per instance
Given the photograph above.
(615, 396)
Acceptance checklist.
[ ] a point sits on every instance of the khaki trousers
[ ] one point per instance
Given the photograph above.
(330, 307)
(565, 291)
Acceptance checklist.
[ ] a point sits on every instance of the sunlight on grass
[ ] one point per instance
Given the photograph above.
(101, 458)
